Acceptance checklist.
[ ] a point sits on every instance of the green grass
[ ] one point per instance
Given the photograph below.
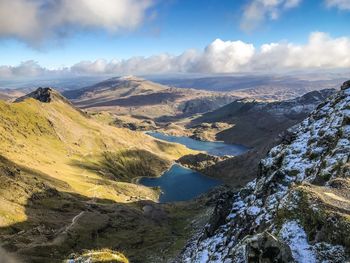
(56, 163)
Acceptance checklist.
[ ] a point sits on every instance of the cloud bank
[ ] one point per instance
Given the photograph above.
(320, 52)
(36, 20)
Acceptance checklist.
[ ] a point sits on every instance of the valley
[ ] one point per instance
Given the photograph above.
(179, 131)
(67, 184)
(122, 171)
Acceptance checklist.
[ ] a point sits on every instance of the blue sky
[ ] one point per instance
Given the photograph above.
(173, 27)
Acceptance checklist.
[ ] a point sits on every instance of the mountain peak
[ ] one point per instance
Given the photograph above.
(131, 78)
(45, 95)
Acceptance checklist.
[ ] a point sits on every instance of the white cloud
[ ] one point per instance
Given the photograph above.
(19, 18)
(341, 4)
(257, 12)
(36, 20)
(224, 56)
(30, 68)
(320, 52)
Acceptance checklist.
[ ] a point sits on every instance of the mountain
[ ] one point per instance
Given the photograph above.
(255, 124)
(10, 94)
(297, 209)
(261, 87)
(44, 95)
(67, 185)
(114, 88)
(141, 98)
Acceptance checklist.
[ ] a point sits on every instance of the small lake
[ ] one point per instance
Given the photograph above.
(180, 184)
(212, 148)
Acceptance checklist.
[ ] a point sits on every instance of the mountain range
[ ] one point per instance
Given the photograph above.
(70, 163)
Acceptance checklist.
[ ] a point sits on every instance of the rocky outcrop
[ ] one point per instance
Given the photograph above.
(298, 207)
(48, 95)
(200, 162)
(45, 95)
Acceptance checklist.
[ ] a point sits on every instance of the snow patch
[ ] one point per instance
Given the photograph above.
(294, 235)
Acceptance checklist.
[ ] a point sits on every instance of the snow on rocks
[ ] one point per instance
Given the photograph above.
(294, 235)
(313, 151)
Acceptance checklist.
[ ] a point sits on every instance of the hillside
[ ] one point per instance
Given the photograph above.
(254, 122)
(258, 125)
(140, 98)
(297, 209)
(66, 184)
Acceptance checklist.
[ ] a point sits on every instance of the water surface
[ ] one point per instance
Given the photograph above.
(180, 184)
(212, 148)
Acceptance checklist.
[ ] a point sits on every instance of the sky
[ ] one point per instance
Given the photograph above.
(94, 37)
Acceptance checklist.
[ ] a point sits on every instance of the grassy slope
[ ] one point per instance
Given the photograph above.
(54, 138)
(56, 224)
(56, 163)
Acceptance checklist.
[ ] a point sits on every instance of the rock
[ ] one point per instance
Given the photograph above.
(45, 95)
(221, 211)
(200, 161)
(266, 248)
(345, 85)
(147, 209)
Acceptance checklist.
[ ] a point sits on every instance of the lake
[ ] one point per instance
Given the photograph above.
(180, 184)
(212, 148)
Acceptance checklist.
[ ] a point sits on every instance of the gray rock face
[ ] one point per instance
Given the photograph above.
(345, 85)
(48, 95)
(266, 248)
(45, 95)
(298, 208)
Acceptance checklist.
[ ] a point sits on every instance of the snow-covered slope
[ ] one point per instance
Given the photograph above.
(298, 208)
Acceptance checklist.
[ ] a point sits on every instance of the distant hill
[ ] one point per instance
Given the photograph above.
(11, 94)
(261, 87)
(139, 97)
(254, 122)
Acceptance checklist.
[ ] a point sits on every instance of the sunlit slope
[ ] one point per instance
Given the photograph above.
(61, 142)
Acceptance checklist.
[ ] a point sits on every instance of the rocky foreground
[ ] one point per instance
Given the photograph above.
(298, 207)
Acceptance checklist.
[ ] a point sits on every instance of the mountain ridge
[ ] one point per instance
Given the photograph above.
(137, 97)
(298, 207)
(258, 125)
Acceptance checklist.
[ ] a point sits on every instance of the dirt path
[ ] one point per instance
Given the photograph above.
(60, 238)
(74, 220)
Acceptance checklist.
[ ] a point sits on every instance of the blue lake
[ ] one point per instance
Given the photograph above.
(180, 184)
(212, 148)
